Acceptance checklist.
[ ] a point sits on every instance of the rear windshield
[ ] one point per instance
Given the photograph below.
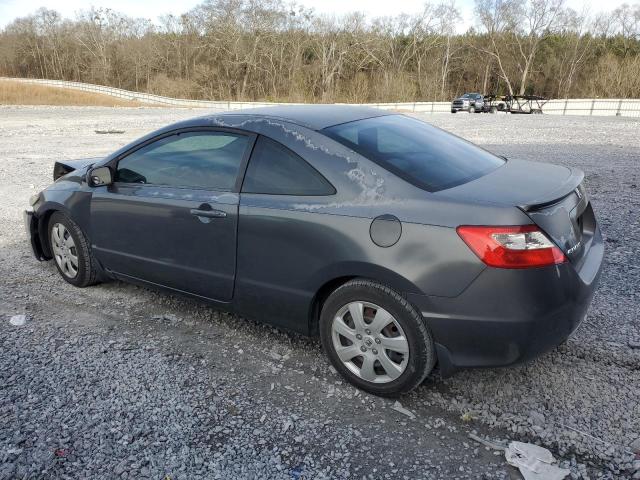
(421, 154)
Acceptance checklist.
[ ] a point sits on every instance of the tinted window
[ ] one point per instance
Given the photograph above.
(421, 154)
(208, 160)
(277, 170)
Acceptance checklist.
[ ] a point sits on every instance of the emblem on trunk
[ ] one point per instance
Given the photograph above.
(574, 248)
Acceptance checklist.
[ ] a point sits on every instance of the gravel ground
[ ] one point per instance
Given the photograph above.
(117, 381)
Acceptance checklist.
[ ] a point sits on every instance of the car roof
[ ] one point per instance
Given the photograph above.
(315, 117)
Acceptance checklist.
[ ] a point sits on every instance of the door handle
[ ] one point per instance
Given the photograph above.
(208, 213)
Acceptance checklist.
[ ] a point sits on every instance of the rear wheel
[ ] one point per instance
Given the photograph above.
(71, 251)
(376, 339)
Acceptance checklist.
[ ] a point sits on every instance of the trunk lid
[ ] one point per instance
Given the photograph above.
(552, 196)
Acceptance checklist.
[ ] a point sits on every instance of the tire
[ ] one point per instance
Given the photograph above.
(405, 329)
(83, 271)
(453, 111)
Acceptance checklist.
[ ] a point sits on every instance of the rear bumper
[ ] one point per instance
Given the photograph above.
(506, 317)
(31, 227)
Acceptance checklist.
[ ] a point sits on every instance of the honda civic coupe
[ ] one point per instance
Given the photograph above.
(401, 246)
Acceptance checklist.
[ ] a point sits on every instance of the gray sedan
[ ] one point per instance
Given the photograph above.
(402, 246)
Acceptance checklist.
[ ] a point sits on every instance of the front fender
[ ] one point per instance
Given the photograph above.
(74, 204)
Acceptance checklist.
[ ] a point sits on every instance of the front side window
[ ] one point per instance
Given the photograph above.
(415, 151)
(274, 169)
(208, 160)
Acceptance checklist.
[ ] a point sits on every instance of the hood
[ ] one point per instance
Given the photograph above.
(62, 167)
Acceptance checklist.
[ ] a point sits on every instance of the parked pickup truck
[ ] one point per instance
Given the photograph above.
(469, 102)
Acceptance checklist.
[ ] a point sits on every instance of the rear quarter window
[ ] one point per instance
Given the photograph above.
(423, 155)
(276, 170)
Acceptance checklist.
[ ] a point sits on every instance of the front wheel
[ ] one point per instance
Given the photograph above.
(376, 339)
(71, 251)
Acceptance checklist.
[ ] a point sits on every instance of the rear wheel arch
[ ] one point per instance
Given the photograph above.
(360, 271)
(320, 297)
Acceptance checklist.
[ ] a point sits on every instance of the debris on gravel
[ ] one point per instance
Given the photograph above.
(117, 381)
(487, 443)
(18, 320)
(109, 132)
(397, 406)
(534, 462)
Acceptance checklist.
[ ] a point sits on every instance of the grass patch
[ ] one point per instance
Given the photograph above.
(17, 93)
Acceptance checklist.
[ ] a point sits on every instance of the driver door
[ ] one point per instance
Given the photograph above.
(170, 217)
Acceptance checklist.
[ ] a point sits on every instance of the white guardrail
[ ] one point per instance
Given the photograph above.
(596, 107)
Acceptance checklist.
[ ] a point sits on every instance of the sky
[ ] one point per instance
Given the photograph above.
(11, 9)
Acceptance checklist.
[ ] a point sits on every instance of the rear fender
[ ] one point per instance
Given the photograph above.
(331, 277)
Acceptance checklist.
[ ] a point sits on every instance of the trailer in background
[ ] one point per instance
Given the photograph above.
(526, 104)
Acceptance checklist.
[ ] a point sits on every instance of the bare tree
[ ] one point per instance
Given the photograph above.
(577, 49)
(538, 18)
(447, 16)
(626, 23)
(499, 19)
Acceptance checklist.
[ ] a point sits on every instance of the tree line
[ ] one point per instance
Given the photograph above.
(276, 51)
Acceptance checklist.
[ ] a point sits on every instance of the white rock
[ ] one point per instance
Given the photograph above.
(399, 408)
(18, 320)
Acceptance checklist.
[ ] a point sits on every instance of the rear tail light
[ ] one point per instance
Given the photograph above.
(511, 247)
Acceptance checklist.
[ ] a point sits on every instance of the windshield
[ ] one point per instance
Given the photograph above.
(423, 155)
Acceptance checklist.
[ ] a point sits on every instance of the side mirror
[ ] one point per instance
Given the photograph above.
(99, 176)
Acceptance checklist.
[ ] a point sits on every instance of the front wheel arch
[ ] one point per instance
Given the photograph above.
(43, 228)
(44, 214)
